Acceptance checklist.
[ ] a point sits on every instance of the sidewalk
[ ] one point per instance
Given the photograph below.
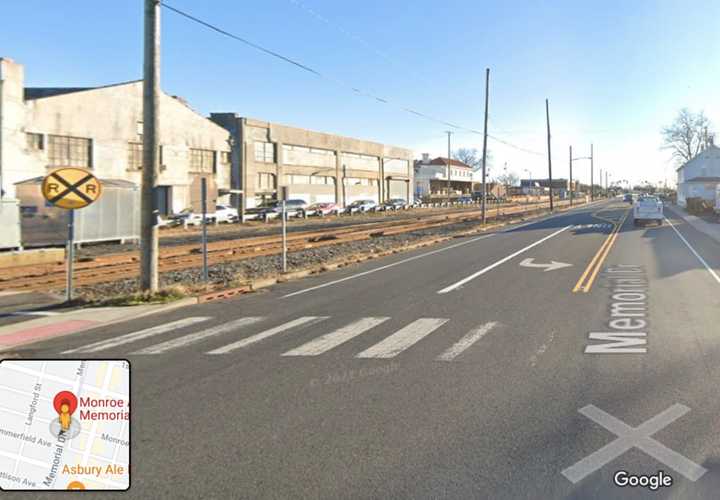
(27, 332)
(709, 228)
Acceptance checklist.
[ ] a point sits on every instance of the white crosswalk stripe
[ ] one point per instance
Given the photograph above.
(199, 336)
(469, 339)
(403, 338)
(335, 338)
(139, 335)
(304, 321)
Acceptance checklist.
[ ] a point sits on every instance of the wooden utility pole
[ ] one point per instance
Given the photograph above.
(547, 116)
(592, 182)
(448, 167)
(485, 135)
(571, 179)
(151, 94)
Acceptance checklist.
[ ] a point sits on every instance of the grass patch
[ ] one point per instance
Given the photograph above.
(163, 296)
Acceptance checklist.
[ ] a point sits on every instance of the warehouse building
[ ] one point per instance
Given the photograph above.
(315, 166)
(100, 129)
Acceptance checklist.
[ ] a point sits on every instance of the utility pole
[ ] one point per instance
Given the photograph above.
(571, 182)
(601, 183)
(484, 160)
(151, 91)
(592, 185)
(448, 167)
(547, 115)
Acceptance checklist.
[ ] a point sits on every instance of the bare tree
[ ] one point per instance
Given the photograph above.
(471, 157)
(688, 135)
(509, 179)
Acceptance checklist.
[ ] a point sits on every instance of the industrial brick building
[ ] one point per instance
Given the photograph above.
(431, 178)
(315, 166)
(100, 128)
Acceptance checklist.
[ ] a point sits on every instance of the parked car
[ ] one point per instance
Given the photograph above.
(628, 198)
(225, 213)
(189, 217)
(394, 204)
(272, 209)
(648, 208)
(165, 221)
(322, 209)
(361, 206)
(465, 199)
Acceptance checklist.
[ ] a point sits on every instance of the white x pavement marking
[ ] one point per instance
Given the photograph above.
(634, 437)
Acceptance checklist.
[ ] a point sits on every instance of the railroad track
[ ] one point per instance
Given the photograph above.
(115, 267)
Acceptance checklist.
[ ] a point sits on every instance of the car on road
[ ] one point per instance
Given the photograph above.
(322, 209)
(361, 206)
(225, 213)
(394, 204)
(648, 208)
(628, 198)
(465, 200)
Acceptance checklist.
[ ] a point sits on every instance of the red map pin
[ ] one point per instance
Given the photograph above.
(65, 397)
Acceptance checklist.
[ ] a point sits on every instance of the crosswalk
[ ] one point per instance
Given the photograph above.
(193, 331)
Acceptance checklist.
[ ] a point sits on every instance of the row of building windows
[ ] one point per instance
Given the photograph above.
(62, 150)
(267, 182)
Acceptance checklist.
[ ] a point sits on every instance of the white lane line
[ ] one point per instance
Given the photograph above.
(304, 321)
(501, 261)
(403, 338)
(334, 339)
(139, 335)
(469, 339)
(365, 273)
(199, 336)
(709, 269)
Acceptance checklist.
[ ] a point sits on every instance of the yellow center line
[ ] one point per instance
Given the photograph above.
(598, 259)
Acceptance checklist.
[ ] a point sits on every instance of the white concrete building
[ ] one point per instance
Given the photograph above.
(699, 177)
(100, 129)
(431, 177)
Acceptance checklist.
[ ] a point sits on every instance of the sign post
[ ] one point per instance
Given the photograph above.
(284, 194)
(71, 188)
(203, 197)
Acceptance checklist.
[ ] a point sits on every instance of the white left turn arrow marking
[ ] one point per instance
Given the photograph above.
(530, 262)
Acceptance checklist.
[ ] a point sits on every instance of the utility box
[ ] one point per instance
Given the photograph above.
(10, 224)
(115, 216)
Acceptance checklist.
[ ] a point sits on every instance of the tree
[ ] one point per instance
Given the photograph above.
(471, 157)
(509, 179)
(688, 135)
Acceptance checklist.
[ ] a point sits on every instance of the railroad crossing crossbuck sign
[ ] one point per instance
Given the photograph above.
(71, 188)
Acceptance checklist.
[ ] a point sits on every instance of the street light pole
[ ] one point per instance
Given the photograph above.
(547, 115)
(592, 182)
(571, 179)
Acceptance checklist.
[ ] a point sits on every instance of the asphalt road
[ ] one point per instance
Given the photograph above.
(368, 382)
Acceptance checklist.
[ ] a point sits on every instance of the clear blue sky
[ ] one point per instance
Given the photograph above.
(615, 71)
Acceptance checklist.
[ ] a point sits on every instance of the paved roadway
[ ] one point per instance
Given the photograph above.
(369, 383)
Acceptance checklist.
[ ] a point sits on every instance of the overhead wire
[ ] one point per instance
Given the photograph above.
(323, 76)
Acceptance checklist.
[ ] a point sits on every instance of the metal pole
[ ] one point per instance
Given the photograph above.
(203, 198)
(592, 182)
(284, 237)
(70, 256)
(571, 180)
(448, 168)
(151, 92)
(484, 160)
(547, 115)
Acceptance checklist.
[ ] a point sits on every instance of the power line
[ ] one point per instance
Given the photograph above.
(318, 74)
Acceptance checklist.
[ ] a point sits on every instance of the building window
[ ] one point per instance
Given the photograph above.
(322, 179)
(298, 179)
(264, 182)
(360, 181)
(265, 152)
(135, 155)
(34, 141)
(64, 151)
(225, 157)
(202, 160)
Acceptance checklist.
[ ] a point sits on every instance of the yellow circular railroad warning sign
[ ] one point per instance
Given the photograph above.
(71, 188)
